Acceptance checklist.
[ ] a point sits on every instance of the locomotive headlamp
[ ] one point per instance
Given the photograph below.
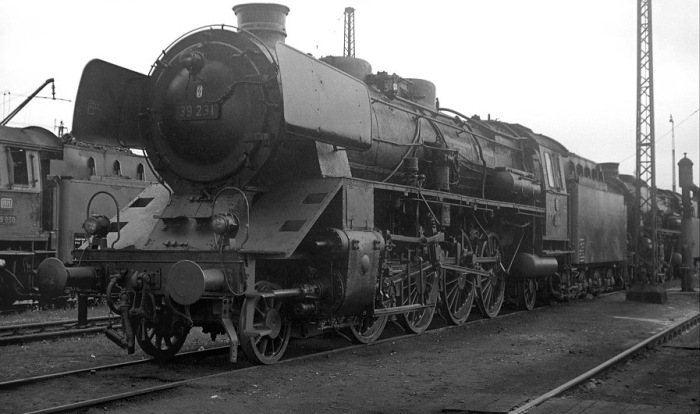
(225, 224)
(2, 262)
(96, 225)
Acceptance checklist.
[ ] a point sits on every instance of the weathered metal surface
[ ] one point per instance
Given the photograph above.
(360, 279)
(74, 195)
(528, 264)
(281, 218)
(599, 225)
(557, 227)
(108, 104)
(358, 205)
(323, 103)
(22, 220)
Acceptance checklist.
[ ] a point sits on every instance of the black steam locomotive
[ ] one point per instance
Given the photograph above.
(306, 195)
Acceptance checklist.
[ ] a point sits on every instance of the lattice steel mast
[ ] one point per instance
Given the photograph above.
(349, 33)
(645, 229)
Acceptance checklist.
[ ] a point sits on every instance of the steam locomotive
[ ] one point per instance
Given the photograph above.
(302, 195)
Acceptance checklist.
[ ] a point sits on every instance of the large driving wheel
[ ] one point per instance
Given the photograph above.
(271, 327)
(527, 292)
(457, 290)
(418, 288)
(365, 330)
(490, 290)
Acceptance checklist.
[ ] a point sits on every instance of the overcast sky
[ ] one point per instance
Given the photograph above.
(565, 68)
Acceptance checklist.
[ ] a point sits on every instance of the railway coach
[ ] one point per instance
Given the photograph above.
(45, 183)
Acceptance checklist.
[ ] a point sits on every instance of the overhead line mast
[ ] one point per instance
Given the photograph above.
(645, 286)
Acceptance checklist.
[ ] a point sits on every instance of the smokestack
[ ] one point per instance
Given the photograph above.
(264, 20)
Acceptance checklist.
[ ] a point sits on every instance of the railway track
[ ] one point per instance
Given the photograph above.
(654, 340)
(183, 369)
(23, 333)
(152, 377)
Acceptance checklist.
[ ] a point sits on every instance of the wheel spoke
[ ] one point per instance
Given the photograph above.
(368, 329)
(262, 348)
(491, 290)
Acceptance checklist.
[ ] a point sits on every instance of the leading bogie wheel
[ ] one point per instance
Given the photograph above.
(272, 325)
(490, 290)
(367, 329)
(156, 343)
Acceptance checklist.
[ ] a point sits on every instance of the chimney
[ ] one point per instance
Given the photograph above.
(264, 20)
(610, 169)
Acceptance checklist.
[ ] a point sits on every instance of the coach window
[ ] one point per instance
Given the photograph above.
(117, 168)
(139, 172)
(19, 171)
(91, 166)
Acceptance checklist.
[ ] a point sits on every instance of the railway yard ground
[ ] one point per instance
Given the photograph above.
(487, 366)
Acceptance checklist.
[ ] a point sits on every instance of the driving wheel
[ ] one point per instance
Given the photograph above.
(490, 290)
(420, 287)
(457, 291)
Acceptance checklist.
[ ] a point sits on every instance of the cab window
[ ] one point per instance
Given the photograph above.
(550, 175)
(553, 171)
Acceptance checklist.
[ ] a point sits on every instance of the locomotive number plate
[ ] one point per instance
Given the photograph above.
(195, 112)
(7, 219)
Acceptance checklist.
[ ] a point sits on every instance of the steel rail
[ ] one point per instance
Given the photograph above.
(61, 329)
(652, 340)
(175, 384)
(39, 378)
(14, 339)
(48, 324)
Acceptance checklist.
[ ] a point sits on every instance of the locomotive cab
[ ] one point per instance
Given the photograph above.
(27, 226)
